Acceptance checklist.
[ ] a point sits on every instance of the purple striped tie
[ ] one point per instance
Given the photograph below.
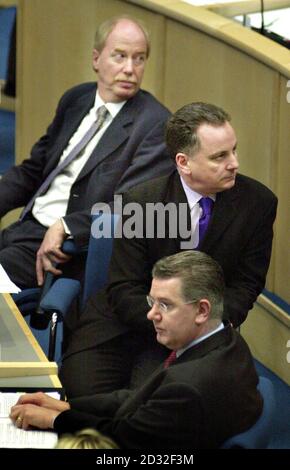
(206, 203)
(96, 126)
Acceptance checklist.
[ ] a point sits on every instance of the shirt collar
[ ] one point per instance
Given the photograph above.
(113, 108)
(200, 339)
(192, 196)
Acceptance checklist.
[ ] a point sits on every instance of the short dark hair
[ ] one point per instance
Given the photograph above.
(181, 128)
(201, 277)
(105, 28)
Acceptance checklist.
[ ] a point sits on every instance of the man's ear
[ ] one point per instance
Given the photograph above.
(181, 160)
(204, 308)
(96, 56)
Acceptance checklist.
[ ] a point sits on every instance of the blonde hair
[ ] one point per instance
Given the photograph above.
(85, 439)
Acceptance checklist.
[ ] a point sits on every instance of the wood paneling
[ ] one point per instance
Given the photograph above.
(282, 161)
(55, 41)
(266, 331)
(209, 70)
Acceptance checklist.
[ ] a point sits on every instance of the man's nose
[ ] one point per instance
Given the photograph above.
(154, 313)
(150, 314)
(129, 66)
(234, 162)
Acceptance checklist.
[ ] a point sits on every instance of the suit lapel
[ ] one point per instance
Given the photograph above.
(74, 115)
(224, 336)
(115, 135)
(176, 194)
(225, 210)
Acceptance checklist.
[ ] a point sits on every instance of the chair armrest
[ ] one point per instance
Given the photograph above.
(26, 295)
(60, 296)
(69, 247)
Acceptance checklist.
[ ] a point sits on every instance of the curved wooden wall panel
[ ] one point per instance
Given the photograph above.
(209, 70)
(282, 165)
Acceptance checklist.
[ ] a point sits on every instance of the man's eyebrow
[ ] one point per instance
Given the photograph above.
(118, 49)
(160, 299)
(222, 152)
(218, 154)
(164, 300)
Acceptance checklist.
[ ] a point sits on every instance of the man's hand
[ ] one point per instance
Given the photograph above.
(25, 416)
(49, 253)
(44, 400)
(37, 409)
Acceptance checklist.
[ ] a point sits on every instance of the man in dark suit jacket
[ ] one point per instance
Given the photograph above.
(205, 392)
(239, 237)
(129, 149)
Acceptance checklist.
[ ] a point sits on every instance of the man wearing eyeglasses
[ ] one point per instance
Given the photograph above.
(192, 400)
(113, 343)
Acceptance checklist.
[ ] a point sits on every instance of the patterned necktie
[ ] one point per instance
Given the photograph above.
(170, 359)
(206, 203)
(96, 126)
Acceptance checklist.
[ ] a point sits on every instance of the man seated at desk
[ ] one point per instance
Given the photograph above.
(204, 393)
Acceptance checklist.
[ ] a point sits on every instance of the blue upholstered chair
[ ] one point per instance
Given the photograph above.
(7, 19)
(258, 436)
(59, 295)
(7, 117)
(28, 302)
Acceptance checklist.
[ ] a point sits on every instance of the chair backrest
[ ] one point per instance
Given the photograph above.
(99, 253)
(259, 435)
(7, 19)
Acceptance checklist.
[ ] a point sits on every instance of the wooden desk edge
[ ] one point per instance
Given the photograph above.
(30, 337)
(25, 328)
(27, 369)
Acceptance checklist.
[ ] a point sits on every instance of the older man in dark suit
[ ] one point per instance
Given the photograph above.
(125, 149)
(113, 338)
(193, 400)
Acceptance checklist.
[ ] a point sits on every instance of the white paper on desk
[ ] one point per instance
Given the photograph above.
(15, 438)
(6, 285)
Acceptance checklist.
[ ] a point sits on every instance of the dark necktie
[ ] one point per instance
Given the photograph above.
(206, 203)
(170, 359)
(75, 151)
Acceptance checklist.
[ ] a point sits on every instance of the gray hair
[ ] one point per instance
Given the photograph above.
(201, 277)
(107, 27)
(181, 128)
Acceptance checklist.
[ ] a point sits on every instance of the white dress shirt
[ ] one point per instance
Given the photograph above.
(52, 205)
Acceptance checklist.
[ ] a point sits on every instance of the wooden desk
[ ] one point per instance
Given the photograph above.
(17, 343)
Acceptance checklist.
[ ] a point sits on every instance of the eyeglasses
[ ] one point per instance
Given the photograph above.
(163, 306)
